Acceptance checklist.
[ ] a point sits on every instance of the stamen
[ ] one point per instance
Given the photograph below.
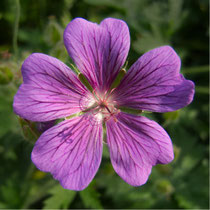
(101, 106)
(107, 109)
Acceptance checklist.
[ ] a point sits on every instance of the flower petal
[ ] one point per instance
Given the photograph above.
(136, 144)
(71, 151)
(99, 51)
(50, 90)
(154, 83)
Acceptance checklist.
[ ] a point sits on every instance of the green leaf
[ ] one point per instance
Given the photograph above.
(117, 4)
(149, 40)
(195, 70)
(59, 51)
(8, 120)
(118, 79)
(30, 130)
(3, 205)
(193, 192)
(131, 110)
(171, 115)
(90, 198)
(53, 32)
(201, 90)
(10, 194)
(85, 82)
(6, 75)
(60, 198)
(164, 186)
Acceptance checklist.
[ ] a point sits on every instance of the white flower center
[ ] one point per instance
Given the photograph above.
(101, 106)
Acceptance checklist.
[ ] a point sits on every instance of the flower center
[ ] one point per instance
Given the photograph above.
(102, 106)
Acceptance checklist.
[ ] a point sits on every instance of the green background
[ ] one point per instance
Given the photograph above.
(28, 26)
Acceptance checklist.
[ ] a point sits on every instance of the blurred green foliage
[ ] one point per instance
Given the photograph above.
(182, 24)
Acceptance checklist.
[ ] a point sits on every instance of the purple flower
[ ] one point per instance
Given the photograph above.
(72, 149)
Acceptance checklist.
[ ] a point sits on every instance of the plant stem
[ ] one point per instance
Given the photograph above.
(16, 24)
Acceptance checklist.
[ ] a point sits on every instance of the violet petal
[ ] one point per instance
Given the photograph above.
(99, 51)
(154, 83)
(71, 151)
(50, 90)
(136, 144)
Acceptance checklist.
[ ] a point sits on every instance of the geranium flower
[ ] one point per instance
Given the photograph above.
(72, 149)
